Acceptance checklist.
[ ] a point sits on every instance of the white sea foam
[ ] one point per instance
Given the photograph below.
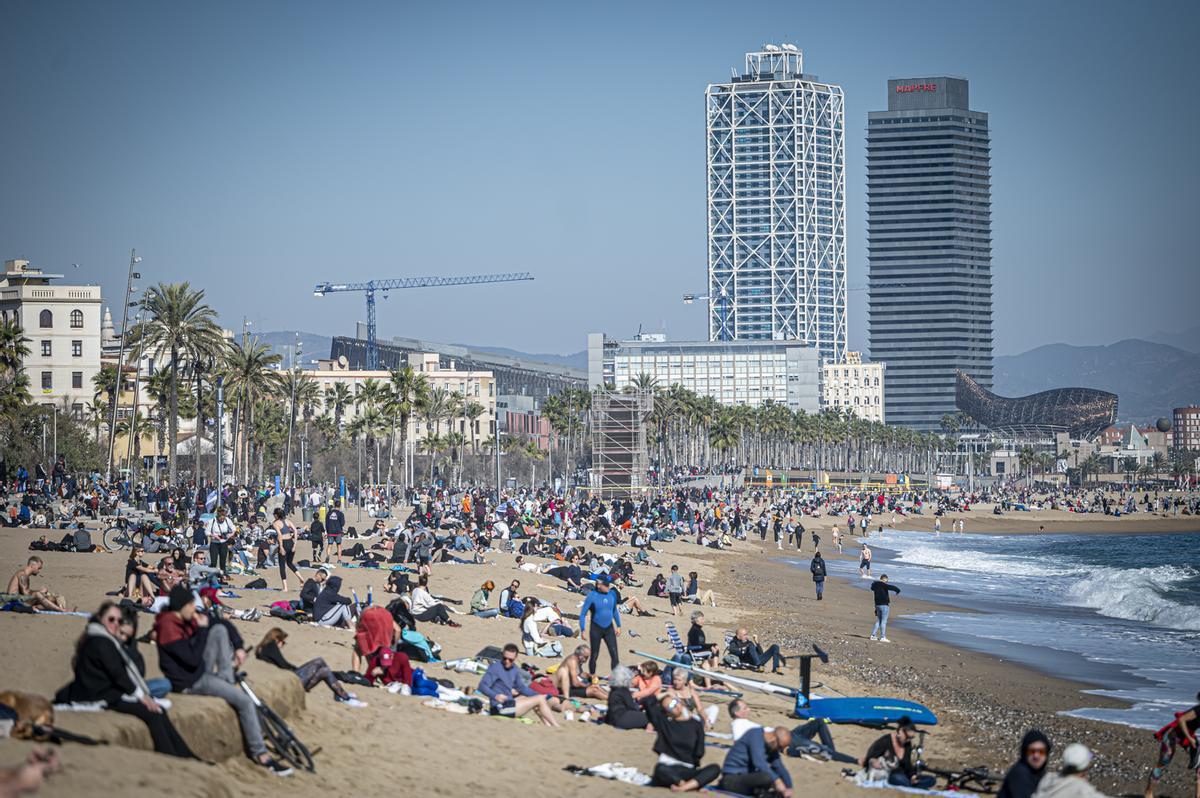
(1137, 594)
(980, 562)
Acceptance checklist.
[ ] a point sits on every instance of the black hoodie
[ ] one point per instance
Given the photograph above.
(329, 597)
(1021, 781)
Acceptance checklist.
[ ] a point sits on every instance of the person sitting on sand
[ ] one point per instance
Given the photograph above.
(893, 754)
(331, 608)
(104, 672)
(748, 651)
(312, 588)
(199, 656)
(139, 576)
(624, 712)
(1023, 777)
(681, 687)
(647, 683)
(754, 764)
(1179, 733)
(531, 636)
(310, 674)
(480, 600)
(693, 595)
(1072, 780)
(570, 680)
(427, 608)
(680, 747)
(39, 598)
(507, 692)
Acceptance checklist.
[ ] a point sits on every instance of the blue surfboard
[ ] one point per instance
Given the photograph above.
(868, 711)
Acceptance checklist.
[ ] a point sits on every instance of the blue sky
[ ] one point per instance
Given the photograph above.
(258, 148)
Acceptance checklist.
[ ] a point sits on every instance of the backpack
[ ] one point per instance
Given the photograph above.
(256, 584)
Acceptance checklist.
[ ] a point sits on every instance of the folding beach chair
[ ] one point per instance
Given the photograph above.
(681, 649)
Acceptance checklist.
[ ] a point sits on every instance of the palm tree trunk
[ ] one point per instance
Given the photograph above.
(173, 421)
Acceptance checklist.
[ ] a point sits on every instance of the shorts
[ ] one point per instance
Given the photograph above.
(578, 692)
(508, 708)
(864, 563)
(675, 598)
(334, 540)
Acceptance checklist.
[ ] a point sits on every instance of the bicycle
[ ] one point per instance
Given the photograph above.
(278, 734)
(121, 536)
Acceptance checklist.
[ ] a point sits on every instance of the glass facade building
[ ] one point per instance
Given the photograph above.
(748, 373)
(929, 246)
(776, 205)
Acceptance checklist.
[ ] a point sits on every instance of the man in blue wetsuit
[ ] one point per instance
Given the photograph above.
(601, 603)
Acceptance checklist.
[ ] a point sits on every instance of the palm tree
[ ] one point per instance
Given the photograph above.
(14, 381)
(181, 328)
(409, 389)
(434, 411)
(472, 411)
(337, 399)
(1158, 464)
(250, 375)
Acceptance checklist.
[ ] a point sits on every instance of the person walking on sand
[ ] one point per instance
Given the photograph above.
(883, 606)
(864, 562)
(817, 566)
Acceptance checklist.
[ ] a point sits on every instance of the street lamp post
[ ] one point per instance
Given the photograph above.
(112, 428)
(292, 414)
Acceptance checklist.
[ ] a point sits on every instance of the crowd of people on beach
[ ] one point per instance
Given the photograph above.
(601, 554)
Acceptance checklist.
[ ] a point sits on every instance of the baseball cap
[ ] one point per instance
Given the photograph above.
(1076, 758)
(210, 593)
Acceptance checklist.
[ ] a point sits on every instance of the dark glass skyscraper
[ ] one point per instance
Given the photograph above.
(929, 243)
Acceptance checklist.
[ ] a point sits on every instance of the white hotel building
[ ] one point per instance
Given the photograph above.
(62, 325)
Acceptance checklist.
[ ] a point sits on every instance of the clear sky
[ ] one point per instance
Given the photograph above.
(258, 148)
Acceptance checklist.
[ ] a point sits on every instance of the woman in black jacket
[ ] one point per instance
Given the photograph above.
(104, 672)
(624, 712)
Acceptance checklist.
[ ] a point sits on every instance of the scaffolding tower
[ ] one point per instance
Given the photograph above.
(620, 463)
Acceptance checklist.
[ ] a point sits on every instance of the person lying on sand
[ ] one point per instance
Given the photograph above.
(310, 674)
(40, 598)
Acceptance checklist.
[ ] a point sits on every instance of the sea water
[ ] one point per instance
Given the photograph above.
(1121, 612)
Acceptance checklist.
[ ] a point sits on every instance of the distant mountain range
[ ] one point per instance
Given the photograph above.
(1150, 376)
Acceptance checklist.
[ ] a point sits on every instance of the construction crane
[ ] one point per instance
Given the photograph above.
(371, 286)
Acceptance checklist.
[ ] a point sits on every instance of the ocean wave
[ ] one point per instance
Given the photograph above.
(1138, 594)
(959, 559)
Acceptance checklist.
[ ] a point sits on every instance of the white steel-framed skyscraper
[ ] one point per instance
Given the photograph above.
(777, 205)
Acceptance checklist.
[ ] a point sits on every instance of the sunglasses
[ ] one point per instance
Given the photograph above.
(112, 619)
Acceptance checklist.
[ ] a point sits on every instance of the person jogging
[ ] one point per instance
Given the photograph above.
(601, 604)
(883, 605)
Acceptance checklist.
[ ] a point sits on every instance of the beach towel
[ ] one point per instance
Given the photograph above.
(859, 778)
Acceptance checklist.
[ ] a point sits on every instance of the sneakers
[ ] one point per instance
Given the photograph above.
(350, 701)
(277, 768)
(873, 638)
(884, 640)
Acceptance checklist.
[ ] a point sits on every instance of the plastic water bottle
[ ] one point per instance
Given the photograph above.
(354, 593)
(370, 598)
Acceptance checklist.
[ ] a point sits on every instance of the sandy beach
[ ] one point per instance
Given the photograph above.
(984, 702)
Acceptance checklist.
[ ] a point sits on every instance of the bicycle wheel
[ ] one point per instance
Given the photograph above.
(280, 738)
(116, 538)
